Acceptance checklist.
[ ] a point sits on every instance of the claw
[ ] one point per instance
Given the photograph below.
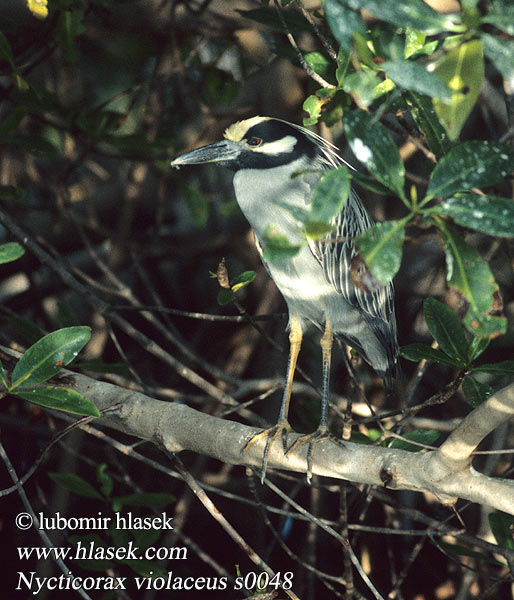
(312, 439)
(282, 428)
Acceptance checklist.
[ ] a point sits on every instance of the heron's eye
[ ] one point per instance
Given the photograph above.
(254, 141)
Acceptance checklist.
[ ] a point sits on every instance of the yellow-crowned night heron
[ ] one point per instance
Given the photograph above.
(277, 164)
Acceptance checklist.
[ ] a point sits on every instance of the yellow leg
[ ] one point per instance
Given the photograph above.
(282, 428)
(322, 431)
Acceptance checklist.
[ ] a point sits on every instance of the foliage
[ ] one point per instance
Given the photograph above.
(97, 97)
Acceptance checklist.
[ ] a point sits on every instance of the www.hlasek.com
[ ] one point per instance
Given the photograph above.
(91, 551)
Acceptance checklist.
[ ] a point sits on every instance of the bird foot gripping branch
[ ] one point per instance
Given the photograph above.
(277, 167)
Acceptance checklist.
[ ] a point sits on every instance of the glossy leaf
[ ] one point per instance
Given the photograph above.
(362, 85)
(489, 214)
(224, 297)
(76, 484)
(471, 277)
(417, 352)
(475, 391)
(330, 195)
(415, 14)
(58, 398)
(446, 329)
(320, 64)
(342, 21)
(374, 147)
(242, 280)
(477, 346)
(381, 248)
(414, 41)
(47, 356)
(501, 15)
(501, 53)
(411, 76)
(470, 164)
(463, 71)
(504, 367)
(423, 113)
(10, 251)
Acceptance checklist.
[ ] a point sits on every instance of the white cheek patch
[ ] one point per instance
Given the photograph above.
(285, 144)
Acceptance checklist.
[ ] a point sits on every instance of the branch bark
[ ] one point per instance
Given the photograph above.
(446, 472)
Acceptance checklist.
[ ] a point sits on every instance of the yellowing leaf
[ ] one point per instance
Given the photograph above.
(463, 71)
(39, 8)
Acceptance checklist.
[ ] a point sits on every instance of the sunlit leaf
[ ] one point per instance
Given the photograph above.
(423, 113)
(471, 277)
(463, 71)
(276, 246)
(489, 214)
(47, 356)
(342, 21)
(411, 76)
(374, 147)
(330, 195)
(381, 248)
(10, 251)
(470, 164)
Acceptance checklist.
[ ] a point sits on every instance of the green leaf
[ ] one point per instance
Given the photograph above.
(58, 398)
(197, 204)
(363, 85)
(423, 113)
(414, 14)
(156, 500)
(3, 379)
(48, 355)
(477, 347)
(76, 484)
(219, 86)
(242, 280)
(10, 251)
(411, 76)
(30, 331)
(374, 147)
(343, 62)
(414, 41)
(470, 275)
(489, 214)
(276, 246)
(105, 480)
(474, 391)
(313, 106)
(330, 195)
(5, 51)
(502, 526)
(315, 229)
(463, 71)
(501, 53)
(501, 15)
(225, 297)
(504, 367)
(69, 27)
(342, 21)
(446, 330)
(470, 164)
(381, 248)
(427, 437)
(418, 352)
(320, 64)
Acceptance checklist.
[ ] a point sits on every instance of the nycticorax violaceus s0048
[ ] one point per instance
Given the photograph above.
(276, 165)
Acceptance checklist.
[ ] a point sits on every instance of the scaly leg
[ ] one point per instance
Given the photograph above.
(322, 431)
(282, 428)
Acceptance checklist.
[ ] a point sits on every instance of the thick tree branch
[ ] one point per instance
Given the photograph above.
(177, 427)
